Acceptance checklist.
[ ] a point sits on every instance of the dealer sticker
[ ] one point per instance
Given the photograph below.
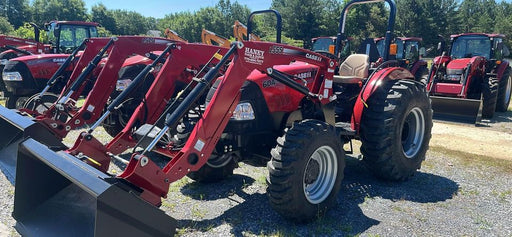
(199, 145)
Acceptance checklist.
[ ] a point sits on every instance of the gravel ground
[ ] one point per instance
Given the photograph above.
(454, 194)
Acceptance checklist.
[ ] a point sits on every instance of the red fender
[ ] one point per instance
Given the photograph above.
(417, 65)
(501, 69)
(386, 74)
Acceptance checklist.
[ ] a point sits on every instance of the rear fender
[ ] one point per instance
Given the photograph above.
(378, 79)
(417, 65)
(501, 69)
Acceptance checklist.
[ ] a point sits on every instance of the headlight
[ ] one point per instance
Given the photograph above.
(4, 61)
(243, 111)
(122, 84)
(12, 76)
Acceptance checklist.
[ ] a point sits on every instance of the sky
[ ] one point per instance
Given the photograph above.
(160, 8)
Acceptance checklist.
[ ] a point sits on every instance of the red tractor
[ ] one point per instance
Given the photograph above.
(409, 52)
(327, 44)
(472, 81)
(54, 119)
(27, 69)
(19, 46)
(274, 105)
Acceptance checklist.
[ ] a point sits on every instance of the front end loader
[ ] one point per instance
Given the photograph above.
(34, 64)
(311, 109)
(64, 115)
(471, 82)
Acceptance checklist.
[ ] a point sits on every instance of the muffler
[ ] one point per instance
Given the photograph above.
(57, 194)
(15, 128)
(457, 109)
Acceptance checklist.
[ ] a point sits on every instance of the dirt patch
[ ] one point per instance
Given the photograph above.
(493, 139)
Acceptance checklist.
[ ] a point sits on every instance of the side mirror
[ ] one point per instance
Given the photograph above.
(505, 51)
(423, 52)
(441, 47)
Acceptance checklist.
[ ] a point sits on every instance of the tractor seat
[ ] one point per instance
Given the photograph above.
(353, 69)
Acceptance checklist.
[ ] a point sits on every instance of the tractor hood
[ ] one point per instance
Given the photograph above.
(43, 65)
(138, 59)
(29, 48)
(457, 66)
(280, 97)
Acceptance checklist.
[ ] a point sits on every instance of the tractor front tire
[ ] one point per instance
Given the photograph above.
(504, 92)
(216, 169)
(396, 129)
(489, 97)
(10, 102)
(305, 171)
(40, 105)
(15, 102)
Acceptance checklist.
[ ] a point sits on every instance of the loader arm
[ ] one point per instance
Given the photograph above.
(172, 35)
(248, 56)
(240, 32)
(105, 83)
(210, 38)
(178, 69)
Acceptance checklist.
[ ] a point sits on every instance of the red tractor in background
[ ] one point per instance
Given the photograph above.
(19, 46)
(327, 44)
(276, 105)
(24, 73)
(409, 53)
(473, 80)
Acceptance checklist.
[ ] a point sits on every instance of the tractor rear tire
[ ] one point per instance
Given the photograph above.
(422, 75)
(305, 171)
(489, 97)
(216, 169)
(504, 92)
(396, 129)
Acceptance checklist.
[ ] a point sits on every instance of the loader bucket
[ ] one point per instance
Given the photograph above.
(456, 109)
(56, 194)
(15, 128)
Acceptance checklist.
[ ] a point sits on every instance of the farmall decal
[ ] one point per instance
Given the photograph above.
(254, 56)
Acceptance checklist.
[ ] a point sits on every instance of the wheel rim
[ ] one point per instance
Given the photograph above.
(320, 174)
(20, 102)
(216, 161)
(508, 90)
(413, 132)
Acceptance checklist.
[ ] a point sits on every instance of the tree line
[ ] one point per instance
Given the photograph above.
(302, 19)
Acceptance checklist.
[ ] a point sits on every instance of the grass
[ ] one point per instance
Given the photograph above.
(469, 159)
(482, 222)
(468, 192)
(502, 195)
(198, 212)
(176, 186)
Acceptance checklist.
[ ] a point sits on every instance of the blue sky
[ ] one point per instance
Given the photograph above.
(159, 8)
